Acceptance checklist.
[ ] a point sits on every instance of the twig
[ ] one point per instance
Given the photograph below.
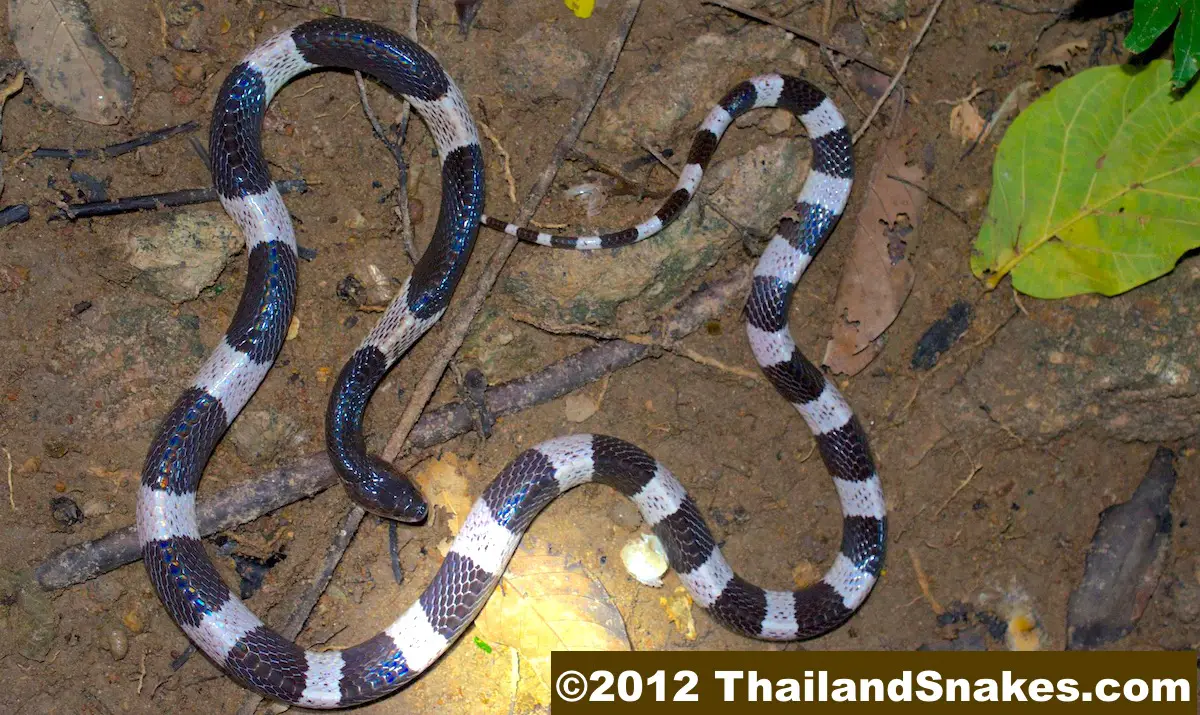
(1027, 10)
(827, 44)
(962, 219)
(923, 582)
(899, 73)
(461, 324)
(505, 162)
(11, 503)
(395, 147)
(333, 555)
(837, 77)
(151, 202)
(310, 475)
(115, 150)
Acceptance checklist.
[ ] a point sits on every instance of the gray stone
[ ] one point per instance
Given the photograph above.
(181, 254)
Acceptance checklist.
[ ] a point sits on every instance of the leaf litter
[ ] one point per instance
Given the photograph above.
(66, 60)
(878, 275)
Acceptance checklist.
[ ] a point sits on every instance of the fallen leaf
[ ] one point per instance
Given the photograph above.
(547, 601)
(1060, 57)
(679, 610)
(446, 482)
(966, 122)
(878, 276)
(66, 61)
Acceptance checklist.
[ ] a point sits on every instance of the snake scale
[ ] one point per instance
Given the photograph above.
(233, 637)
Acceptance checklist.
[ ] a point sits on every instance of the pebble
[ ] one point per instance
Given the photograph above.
(56, 447)
(115, 641)
(578, 408)
(625, 515)
(645, 559)
(181, 253)
(65, 511)
(259, 436)
(95, 507)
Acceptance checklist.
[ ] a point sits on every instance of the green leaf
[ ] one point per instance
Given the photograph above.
(1095, 187)
(482, 645)
(1152, 18)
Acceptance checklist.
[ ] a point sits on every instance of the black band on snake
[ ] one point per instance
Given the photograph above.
(221, 625)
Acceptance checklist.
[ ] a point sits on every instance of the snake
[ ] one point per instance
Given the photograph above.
(224, 628)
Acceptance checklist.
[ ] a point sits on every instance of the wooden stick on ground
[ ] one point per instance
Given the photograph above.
(899, 73)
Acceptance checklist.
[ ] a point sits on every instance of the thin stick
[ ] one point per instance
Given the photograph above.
(333, 555)
(899, 73)
(819, 41)
(311, 475)
(115, 150)
(11, 503)
(923, 582)
(152, 202)
(461, 325)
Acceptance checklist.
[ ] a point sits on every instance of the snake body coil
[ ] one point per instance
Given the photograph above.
(221, 625)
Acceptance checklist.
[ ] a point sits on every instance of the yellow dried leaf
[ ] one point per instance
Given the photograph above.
(966, 122)
(548, 601)
(679, 610)
(446, 482)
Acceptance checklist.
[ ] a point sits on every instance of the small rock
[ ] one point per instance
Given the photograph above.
(355, 220)
(578, 408)
(35, 627)
(645, 559)
(114, 640)
(181, 253)
(56, 447)
(105, 591)
(149, 160)
(65, 511)
(625, 515)
(1124, 561)
(162, 75)
(260, 436)
(95, 507)
(181, 12)
(190, 38)
(778, 123)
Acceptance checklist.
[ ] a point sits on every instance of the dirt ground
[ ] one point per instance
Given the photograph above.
(92, 361)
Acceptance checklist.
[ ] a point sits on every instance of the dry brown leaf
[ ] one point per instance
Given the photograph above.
(1060, 56)
(878, 276)
(446, 482)
(966, 122)
(547, 601)
(66, 61)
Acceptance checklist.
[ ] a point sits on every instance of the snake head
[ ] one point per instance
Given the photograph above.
(385, 493)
